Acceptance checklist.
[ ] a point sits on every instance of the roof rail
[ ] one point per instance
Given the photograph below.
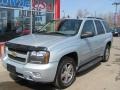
(96, 18)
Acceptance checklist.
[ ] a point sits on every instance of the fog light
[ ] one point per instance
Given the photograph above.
(37, 74)
(28, 75)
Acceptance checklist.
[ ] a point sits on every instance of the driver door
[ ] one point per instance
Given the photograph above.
(89, 42)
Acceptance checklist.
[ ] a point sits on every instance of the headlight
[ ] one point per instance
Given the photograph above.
(39, 57)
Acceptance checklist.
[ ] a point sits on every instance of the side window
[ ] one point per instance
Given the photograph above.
(106, 26)
(99, 27)
(88, 27)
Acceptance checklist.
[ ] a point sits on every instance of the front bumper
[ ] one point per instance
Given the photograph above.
(33, 72)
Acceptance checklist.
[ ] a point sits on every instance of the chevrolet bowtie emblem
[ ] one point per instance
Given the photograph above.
(14, 54)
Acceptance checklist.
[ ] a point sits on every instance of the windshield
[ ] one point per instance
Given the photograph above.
(61, 27)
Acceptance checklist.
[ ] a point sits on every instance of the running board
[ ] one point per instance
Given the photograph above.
(90, 64)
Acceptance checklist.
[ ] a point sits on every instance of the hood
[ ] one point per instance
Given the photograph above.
(38, 40)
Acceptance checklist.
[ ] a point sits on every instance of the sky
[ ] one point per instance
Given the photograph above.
(71, 7)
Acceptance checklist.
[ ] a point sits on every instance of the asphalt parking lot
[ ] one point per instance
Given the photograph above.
(103, 76)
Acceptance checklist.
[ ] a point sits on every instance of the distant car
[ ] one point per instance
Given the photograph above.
(19, 30)
(23, 32)
(116, 32)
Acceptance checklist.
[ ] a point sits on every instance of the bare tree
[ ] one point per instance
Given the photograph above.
(82, 13)
(109, 17)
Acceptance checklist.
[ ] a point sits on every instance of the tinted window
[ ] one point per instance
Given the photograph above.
(88, 27)
(69, 26)
(106, 26)
(99, 27)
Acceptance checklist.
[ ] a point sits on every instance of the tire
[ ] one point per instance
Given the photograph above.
(106, 53)
(66, 73)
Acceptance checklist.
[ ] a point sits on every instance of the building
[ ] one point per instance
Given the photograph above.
(18, 17)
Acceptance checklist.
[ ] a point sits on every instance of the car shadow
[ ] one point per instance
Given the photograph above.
(88, 70)
(11, 85)
(27, 85)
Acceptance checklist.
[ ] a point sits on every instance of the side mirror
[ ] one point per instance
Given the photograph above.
(87, 34)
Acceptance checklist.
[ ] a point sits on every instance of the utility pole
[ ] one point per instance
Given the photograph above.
(116, 4)
(95, 13)
(31, 17)
(63, 14)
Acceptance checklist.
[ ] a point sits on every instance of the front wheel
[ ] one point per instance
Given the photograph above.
(66, 73)
(106, 54)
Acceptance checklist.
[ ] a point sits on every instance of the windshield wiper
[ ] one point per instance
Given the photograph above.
(38, 31)
(45, 32)
(57, 33)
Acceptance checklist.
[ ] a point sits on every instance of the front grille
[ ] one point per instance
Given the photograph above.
(18, 51)
(17, 58)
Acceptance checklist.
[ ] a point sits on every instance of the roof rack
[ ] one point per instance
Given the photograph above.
(95, 18)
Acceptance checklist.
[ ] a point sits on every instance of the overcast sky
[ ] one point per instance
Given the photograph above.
(99, 6)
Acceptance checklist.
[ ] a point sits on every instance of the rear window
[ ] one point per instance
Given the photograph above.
(99, 27)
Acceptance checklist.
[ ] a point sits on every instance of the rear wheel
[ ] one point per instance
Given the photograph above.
(66, 73)
(106, 54)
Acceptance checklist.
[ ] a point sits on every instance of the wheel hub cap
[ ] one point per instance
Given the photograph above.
(67, 73)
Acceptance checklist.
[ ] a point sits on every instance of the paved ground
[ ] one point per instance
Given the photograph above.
(103, 76)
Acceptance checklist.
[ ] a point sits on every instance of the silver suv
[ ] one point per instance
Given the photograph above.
(59, 50)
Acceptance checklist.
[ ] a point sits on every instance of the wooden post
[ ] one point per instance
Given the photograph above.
(1, 49)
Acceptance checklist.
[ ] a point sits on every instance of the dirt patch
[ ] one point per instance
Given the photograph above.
(118, 77)
(116, 47)
(117, 61)
(108, 65)
(117, 54)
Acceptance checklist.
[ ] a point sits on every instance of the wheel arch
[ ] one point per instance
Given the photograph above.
(72, 55)
(109, 43)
